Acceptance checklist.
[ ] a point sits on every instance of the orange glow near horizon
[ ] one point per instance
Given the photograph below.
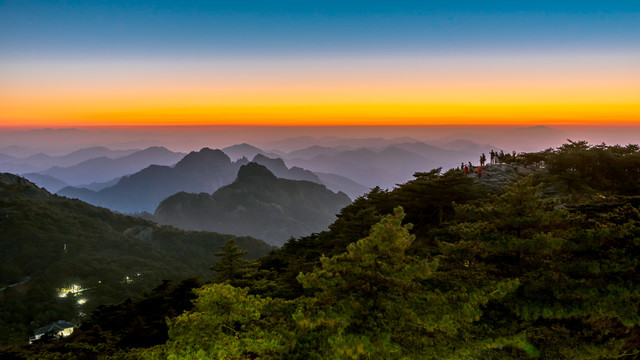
(552, 90)
(360, 115)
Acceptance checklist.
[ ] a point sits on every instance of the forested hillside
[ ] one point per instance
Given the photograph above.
(441, 267)
(49, 243)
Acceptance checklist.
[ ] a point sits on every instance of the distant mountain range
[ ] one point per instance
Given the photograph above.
(256, 204)
(102, 169)
(300, 142)
(139, 180)
(48, 182)
(533, 138)
(236, 152)
(316, 150)
(388, 165)
(279, 169)
(202, 171)
(39, 162)
(369, 167)
(333, 182)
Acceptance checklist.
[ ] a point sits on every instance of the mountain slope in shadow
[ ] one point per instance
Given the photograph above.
(256, 204)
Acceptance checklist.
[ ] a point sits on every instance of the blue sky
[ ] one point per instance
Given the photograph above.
(69, 29)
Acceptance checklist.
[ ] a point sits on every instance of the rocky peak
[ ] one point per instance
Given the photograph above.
(204, 157)
(254, 170)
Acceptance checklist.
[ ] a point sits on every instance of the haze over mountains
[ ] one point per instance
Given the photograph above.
(138, 181)
(56, 142)
(203, 171)
(102, 169)
(346, 152)
(352, 171)
(133, 181)
(256, 204)
(40, 161)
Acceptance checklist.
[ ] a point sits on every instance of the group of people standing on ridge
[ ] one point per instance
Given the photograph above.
(470, 168)
(496, 158)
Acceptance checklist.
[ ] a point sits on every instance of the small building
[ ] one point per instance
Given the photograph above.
(56, 330)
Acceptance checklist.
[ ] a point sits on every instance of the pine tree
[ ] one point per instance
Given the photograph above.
(226, 323)
(231, 266)
(375, 301)
(575, 298)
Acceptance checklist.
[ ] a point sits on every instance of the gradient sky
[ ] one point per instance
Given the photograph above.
(84, 63)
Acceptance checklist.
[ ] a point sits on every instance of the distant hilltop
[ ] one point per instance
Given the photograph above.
(256, 204)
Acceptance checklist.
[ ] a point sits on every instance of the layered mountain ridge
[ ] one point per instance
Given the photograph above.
(257, 204)
(202, 171)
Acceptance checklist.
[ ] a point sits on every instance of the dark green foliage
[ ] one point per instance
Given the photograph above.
(112, 328)
(370, 302)
(428, 201)
(576, 273)
(513, 275)
(519, 276)
(231, 267)
(226, 323)
(49, 242)
(142, 323)
(580, 167)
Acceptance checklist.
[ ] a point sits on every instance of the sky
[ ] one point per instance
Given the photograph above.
(310, 63)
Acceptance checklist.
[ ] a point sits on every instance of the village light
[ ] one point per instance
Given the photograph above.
(73, 289)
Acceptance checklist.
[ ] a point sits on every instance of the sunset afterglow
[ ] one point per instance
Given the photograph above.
(419, 90)
(424, 65)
